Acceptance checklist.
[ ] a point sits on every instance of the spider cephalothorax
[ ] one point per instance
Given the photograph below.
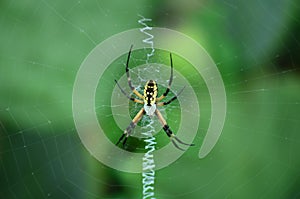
(150, 101)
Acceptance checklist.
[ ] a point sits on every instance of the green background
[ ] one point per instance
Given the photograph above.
(255, 45)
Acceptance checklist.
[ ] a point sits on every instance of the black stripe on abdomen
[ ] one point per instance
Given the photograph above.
(150, 95)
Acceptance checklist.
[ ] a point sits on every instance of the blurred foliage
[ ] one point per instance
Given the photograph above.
(255, 45)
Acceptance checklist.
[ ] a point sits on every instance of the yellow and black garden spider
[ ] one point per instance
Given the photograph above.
(150, 101)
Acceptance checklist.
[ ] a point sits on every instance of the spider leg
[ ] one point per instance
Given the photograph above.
(131, 126)
(171, 100)
(128, 76)
(169, 132)
(176, 145)
(170, 82)
(128, 96)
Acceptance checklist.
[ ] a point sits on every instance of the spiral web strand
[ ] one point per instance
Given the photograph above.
(148, 174)
(149, 39)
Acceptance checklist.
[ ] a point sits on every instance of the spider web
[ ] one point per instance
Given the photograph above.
(255, 46)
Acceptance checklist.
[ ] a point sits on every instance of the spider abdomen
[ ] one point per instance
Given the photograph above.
(150, 93)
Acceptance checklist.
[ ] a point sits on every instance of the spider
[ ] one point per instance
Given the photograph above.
(150, 101)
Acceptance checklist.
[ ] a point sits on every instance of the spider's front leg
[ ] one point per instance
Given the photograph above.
(131, 126)
(128, 76)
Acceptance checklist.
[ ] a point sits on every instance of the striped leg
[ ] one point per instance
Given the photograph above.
(170, 83)
(131, 126)
(127, 95)
(171, 100)
(128, 76)
(169, 132)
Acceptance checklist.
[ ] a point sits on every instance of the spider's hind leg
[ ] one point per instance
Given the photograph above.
(169, 132)
(173, 137)
(131, 126)
(126, 133)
